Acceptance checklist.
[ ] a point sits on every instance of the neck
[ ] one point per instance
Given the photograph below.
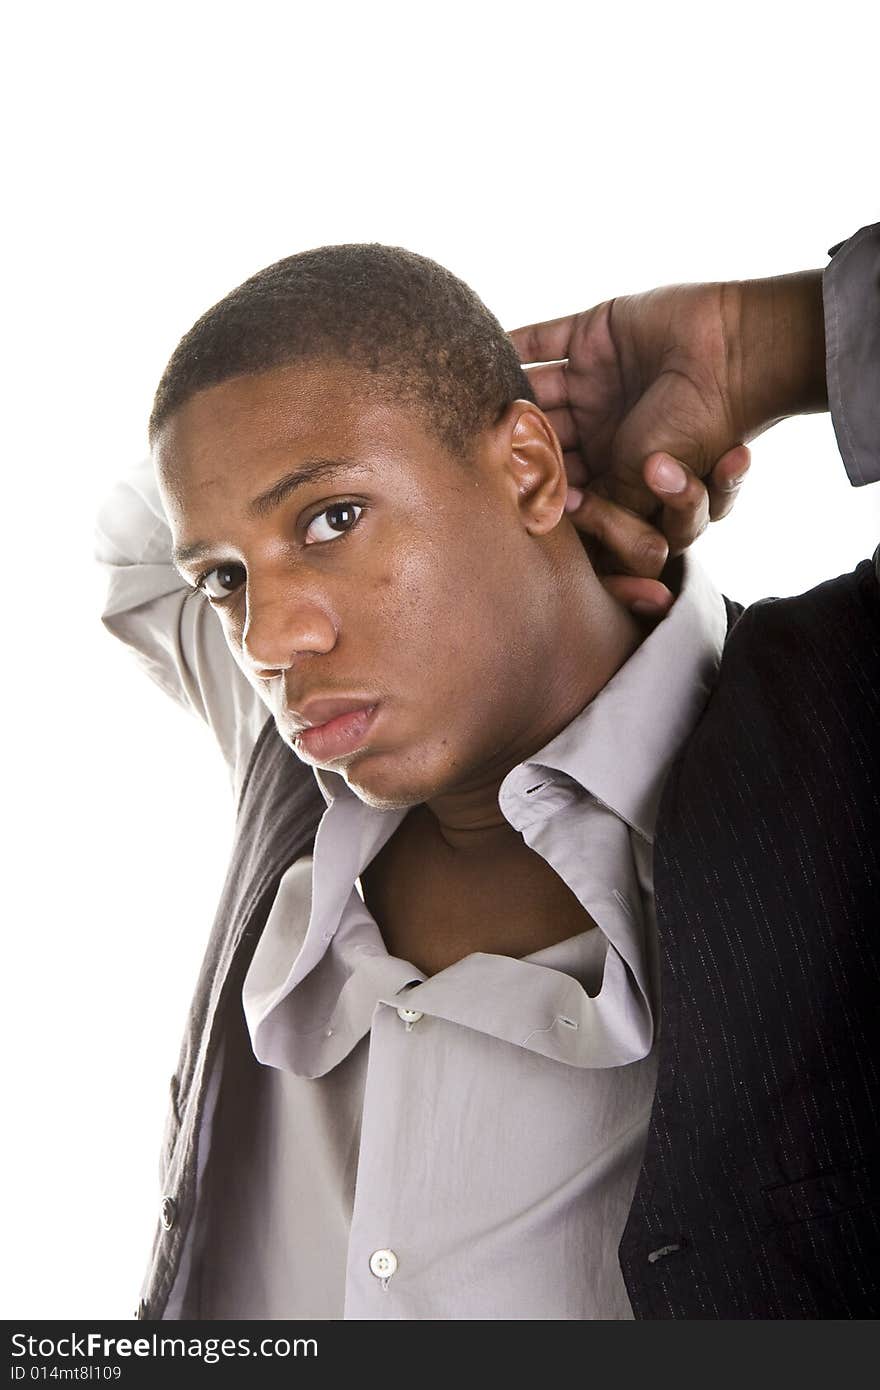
(468, 818)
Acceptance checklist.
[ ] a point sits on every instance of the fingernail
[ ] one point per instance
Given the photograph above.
(670, 476)
(573, 499)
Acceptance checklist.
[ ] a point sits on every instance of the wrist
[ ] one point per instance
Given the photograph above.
(781, 342)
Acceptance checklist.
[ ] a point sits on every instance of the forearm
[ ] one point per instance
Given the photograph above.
(781, 349)
(811, 341)
(172, 630)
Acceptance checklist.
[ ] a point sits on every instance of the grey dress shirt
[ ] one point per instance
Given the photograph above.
(477, 1133)
(463, 1146)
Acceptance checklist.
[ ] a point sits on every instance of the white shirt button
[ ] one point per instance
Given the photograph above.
(383, 1263)
(409, 1017)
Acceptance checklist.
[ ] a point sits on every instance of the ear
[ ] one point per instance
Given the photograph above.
(531, 455)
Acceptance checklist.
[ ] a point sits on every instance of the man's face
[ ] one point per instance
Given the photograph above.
(394, 577)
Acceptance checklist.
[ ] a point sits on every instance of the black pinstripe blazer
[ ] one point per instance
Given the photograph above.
(758, 1195)
(758, 1191)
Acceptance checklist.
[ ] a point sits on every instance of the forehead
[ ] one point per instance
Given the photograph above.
(242, 429)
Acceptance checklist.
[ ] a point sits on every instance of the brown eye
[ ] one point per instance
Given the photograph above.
(332, 522)
(219, 583)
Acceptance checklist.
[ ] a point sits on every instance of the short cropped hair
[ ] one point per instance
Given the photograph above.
(427, 339)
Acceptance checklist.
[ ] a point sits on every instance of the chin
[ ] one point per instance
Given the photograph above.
(384, 786)
(386, 803)
(382, 796)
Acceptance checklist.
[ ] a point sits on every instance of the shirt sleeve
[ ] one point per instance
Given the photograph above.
(172, 629)
(851, 293)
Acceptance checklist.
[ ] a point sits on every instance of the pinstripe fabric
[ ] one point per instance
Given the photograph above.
(758, 1193)
(757, 1196)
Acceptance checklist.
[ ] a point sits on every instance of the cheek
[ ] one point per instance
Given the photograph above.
(448, 622)
(421, 605)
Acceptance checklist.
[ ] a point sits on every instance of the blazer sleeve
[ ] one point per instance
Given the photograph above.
(851, 294)
(171, 628)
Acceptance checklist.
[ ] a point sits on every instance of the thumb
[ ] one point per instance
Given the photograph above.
(671, 417)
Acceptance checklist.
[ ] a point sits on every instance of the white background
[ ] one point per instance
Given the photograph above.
(552, 155)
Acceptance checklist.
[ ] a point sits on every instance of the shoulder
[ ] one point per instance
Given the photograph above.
(799, 681)
(782, 633)
(794, 715)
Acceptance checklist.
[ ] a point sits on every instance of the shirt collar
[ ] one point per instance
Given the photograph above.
(622, 743)
(619, 748)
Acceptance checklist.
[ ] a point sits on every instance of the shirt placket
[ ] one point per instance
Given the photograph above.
(380, 1252)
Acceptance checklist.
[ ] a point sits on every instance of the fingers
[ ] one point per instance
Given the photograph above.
(685, 498)
(550, 385)
(629, 543)
(646, 598)
(634, 546)
(544, 342)
(725, 479)
(689, 504)
(575, 469)
(564, 427)
(634, 549)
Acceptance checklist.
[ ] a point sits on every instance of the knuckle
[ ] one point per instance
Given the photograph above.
(589, 514)
(695, 496)
(686, 534)
(698, 510)
(648, 551)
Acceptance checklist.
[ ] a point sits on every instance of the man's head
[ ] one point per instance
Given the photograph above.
(420, 335)
(357, 477)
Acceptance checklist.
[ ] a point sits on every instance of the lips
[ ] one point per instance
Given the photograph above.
(336, 727)
(316, 712)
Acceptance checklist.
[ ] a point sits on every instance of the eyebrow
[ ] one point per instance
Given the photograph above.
(314, 470)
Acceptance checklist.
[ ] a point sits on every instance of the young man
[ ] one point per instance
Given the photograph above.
(422, 1064)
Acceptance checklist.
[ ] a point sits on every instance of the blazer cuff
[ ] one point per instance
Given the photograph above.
(851, 294)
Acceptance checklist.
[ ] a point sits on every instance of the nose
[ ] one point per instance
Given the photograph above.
(282, 623)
